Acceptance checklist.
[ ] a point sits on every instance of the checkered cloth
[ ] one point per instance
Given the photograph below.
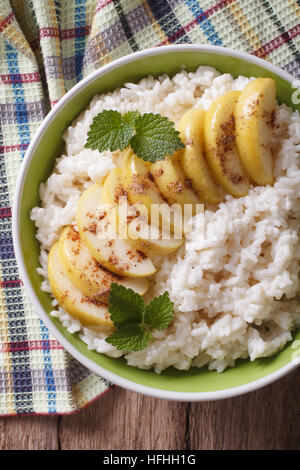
(46, 46)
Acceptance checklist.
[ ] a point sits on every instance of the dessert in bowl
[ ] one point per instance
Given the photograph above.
(229, 284)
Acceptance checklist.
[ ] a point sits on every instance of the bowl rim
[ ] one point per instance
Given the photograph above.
(16, 228)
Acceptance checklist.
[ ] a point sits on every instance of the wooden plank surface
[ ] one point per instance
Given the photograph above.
(29, 433)
(266, 419)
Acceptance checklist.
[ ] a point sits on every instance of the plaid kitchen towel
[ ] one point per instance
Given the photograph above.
(46, 46)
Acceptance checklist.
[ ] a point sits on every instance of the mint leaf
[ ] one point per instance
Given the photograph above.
(134, 320)
(131, 117)
(151, 136)
(160, 312)
(109, 131)
(125, 305)
(155, 137)
(130, 337)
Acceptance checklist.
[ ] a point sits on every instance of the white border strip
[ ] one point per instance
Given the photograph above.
(112, 377)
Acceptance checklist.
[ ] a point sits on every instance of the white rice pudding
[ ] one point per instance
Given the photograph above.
(235, 290)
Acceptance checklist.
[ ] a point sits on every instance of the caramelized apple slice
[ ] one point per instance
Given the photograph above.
(173, 183)
(141, 189)
(96, 226)
(147, 238)
(254, 116)
(220, 145)
(87, 274)
(89, 311)
(192, 156)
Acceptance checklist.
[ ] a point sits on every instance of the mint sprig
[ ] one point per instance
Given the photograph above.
(155, 137)
(135, 320)
(151, 136)
(159, 313)
(125, 305)
(110, 131)
(130, 337)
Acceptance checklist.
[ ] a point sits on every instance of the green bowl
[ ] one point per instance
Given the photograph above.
(195, 384)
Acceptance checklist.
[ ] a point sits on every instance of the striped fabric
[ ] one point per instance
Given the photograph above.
(46, 46)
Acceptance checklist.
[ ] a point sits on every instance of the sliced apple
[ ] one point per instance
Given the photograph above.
(89, 311)
(87, 274)
(113, 188)
(96, 227)
(141, 189)
(220, 146)
(254, 116)
(149, 239)
(173, 183)
(138, 182)
(113, 193)
(192, 156)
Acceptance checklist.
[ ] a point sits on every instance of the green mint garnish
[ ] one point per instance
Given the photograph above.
(130, 337)
(110, 131)
(155, 137)
(151, 136)
(160, 312)
(131, 117)
(125, 305)
(134, 319)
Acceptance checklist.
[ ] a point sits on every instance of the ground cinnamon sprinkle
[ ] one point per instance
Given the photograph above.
(226, 141)
(236, 179)
(92, 227)
(269, 118)
(130, 253)
(106, 227)
(101, 216)
(176, 186)
(76, 251)
(92, 300)
(73, 235)
(64, 296)
(156, 174)
(253, 105)
(189, 183)
(226, 144)
(113, 259)
(141, 255)
(135, 255)
(120, 192)
(139, 188)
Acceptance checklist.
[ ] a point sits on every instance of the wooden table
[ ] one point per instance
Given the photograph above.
(266, 419)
